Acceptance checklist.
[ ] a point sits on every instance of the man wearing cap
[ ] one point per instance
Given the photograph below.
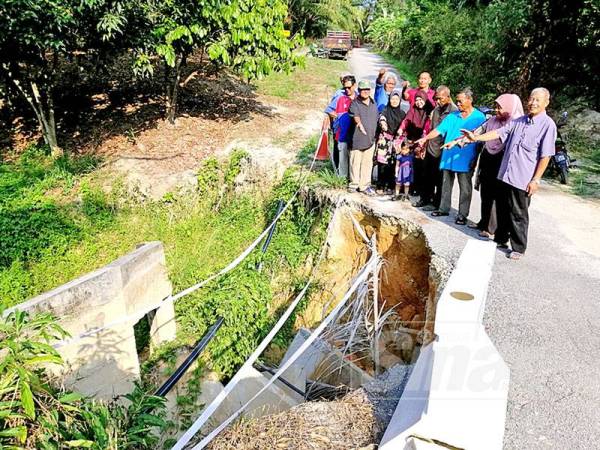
(364, 113)
(529, 144)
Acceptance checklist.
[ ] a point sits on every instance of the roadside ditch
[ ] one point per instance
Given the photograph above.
(354, 373)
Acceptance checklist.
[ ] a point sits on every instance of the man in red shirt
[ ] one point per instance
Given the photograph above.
(424, 83)
(342, 123)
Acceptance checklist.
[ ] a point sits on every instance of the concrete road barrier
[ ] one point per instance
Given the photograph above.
(457, 393)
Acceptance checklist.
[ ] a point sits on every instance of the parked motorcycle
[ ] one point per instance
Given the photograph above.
(561, 162)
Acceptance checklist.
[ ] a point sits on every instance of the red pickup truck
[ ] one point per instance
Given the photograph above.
(337, 43)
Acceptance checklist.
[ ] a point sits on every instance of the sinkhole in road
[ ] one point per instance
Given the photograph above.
(407, 288)
(353, 374)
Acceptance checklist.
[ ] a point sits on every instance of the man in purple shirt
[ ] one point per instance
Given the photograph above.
(529, 142)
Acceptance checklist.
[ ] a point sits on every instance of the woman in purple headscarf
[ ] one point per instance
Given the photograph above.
(416, 125)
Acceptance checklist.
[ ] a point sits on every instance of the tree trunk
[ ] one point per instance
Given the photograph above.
(45, 106)
(44, 112)
(173, 90)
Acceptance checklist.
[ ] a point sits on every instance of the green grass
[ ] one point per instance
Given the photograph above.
(316, 71)
(79, 233)
(585, 178)
(585, 184)
(66, 227)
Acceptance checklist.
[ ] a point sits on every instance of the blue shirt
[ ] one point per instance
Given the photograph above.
(333, 102)
(381, 97)
(456, 158)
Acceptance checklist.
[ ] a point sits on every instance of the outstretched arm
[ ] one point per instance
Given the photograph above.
(472, 137)
(463, 140)
(432, 134)
(359, 124)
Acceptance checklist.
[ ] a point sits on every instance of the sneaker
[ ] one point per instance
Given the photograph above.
(369, 192)
(352, 189)
(405, 198)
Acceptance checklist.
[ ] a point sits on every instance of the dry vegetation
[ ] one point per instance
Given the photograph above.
(342, 424)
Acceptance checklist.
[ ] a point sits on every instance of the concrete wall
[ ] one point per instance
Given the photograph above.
(105, 364)
(457, 392)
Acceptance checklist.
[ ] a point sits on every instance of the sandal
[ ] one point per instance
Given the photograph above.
(515, 256)
(439, 213)
(485, 234)
(460, 220)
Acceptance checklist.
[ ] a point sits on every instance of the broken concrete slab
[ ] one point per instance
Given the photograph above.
(321, 362)
(305, 365)
(271, 401)
(336, 370)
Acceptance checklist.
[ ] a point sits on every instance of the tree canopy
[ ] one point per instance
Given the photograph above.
(496, 46)
(37, 36)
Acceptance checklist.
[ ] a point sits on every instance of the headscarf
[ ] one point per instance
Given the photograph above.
(510, 103)
(394, 116)
(418, 117)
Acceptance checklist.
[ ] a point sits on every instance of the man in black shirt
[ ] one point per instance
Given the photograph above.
(364, 113)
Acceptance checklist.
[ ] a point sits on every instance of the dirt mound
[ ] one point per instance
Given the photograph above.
(348, 423)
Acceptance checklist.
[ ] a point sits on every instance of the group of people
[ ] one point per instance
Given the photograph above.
(384, 150)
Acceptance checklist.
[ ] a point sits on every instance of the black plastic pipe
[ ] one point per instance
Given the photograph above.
(269, 236)
(185, 365)
(263, 368)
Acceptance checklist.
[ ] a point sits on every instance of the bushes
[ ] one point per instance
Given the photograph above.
(506, 46)
(201, 233)
(36, 414)
(244, 297)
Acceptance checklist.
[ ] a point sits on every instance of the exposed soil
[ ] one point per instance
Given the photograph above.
(122, 120)
(406, 284)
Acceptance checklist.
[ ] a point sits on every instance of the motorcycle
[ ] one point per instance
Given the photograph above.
(561, 162)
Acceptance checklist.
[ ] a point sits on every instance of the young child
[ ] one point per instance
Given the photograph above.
(404, 171)
(385, 160)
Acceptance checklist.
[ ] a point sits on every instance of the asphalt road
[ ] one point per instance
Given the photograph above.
(543, 312)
